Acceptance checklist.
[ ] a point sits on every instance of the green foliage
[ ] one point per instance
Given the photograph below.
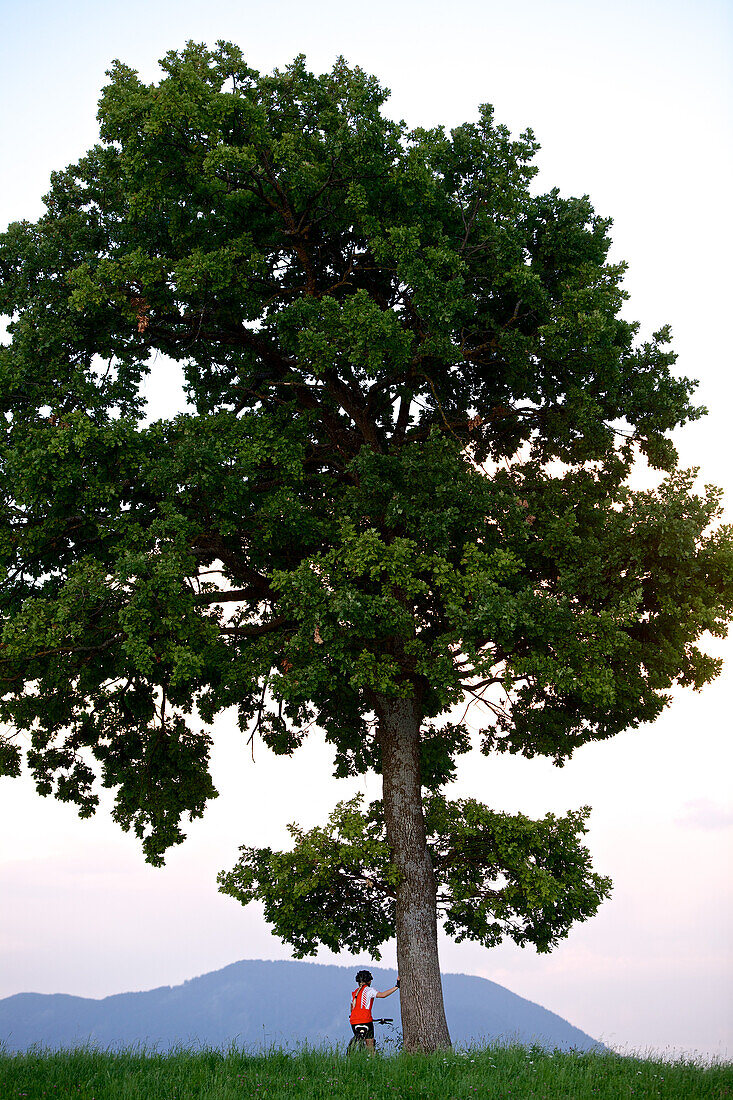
(506, 875)
(498, 874)
(336, 886)
(493, 1072)
(413, 411)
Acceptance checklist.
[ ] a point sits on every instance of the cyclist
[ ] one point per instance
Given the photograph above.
(361, 1005)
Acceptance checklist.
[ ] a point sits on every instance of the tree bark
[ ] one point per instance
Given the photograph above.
(424, 1025)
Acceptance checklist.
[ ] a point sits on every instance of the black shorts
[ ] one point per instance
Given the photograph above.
(368, 1034)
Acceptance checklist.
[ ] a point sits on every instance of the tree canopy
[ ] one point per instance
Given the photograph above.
(401, 484)
(499, 875)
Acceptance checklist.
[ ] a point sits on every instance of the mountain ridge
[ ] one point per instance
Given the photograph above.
(256, 1004)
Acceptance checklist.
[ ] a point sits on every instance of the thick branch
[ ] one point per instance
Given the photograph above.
(257, 629)
(228, 596)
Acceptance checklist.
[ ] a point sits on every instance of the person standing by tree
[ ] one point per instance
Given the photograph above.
(362, 1000)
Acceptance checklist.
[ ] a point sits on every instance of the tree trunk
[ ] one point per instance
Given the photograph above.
(424, 1025)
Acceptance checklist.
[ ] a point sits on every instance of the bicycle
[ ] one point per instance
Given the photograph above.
(361, 1033)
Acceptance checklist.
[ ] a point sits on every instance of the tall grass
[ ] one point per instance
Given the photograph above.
(493, 1073)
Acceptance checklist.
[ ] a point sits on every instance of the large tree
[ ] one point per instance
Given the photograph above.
(401, 484)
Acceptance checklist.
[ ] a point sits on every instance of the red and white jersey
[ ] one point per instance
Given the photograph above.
(361, 1000)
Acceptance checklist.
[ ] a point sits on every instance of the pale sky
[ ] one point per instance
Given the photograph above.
(631, 102)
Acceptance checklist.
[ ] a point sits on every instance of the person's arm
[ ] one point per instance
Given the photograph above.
(389, 992)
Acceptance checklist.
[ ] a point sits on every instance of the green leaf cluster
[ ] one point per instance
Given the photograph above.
(498, 875)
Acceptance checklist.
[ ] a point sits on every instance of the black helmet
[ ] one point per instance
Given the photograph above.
(363, 977)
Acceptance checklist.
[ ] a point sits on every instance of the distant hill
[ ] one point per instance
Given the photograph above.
(257, 1004)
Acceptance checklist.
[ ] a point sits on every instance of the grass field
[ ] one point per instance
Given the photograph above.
(496, 1073)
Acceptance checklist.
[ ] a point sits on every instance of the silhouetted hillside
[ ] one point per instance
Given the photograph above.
(255, 1004)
